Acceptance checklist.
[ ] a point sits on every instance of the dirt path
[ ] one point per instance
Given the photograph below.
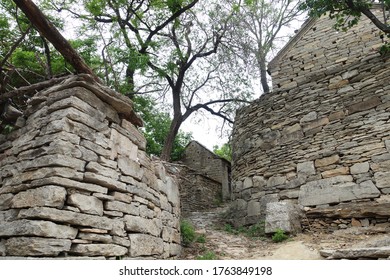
(228, 246)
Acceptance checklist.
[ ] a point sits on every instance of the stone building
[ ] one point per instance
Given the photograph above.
(75, 180)
(206, 178)
(321, 139)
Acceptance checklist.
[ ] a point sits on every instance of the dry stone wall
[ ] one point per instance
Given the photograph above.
(322, 137)
(76, 181)
(197, 192)
(206, 163)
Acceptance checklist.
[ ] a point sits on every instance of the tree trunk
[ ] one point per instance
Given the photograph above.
(263, 76)
(175, 124)
(130, 82)
(169, 140)
(50, 32)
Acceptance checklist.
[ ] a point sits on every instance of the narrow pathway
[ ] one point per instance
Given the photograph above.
(227, 246)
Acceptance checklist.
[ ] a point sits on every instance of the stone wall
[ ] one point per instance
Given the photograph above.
(197, 192)
(205, 162)
(76, 181)
(322, 137)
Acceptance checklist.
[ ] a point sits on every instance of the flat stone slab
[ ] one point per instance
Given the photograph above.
(335, 190)
(92, 250)
(35, 246)
(357, 253)
(36, 228)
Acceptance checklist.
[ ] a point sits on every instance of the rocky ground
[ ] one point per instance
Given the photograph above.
(352, 243)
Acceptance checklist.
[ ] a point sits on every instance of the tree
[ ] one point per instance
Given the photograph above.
(156, 127)
(257, 32)
(28, 62)
(348, 12)
(167, 47)
(225, 151)
(51, 33)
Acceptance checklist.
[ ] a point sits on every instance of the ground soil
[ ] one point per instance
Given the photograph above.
(305, 246)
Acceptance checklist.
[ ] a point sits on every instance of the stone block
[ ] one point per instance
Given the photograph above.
(282, 215)
(86, 204)
(41, 173)
(37, 247)
(335, 172)
(124, 197)
(100, 238)
(334, 190)
(359, 168)
(327, 161)
(306, 168)
(121, 207)
(276, 181)
(315, 124)
(145, 245)
(69, 217)
(37, 228)
(383, 166)
(122, 146)
(172, 192)
(364, 105)
(101, 170)
(259, 183)
(103, 181)
(134, 134)
(382, 179)
(106, 250)
(5, 201)
(336, 116)
(67, 183)
(174, 250)
(312, 116)
(51, 196)
(8, 215)
(248, 183)
(130, 167)
(54, 161)
(254, 208)
(142, 225)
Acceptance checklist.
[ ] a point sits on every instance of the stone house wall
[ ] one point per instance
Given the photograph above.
(75, 181)
(199, 158)
(322, 137)
(197, 192)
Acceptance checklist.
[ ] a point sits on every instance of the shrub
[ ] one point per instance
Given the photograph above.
(201, 239)
(187, 232)
(279, 236)
(257, 230)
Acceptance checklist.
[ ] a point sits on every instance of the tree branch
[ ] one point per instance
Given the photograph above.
(50, 32)
(31, 89)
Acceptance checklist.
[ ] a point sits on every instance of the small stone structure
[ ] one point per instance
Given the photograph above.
(76, 181)
(200, 159)
(204, 179)
(197, 192)
(321, 139)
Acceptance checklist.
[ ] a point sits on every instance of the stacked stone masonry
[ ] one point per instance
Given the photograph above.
(197, 192)
(76, 181)
(206, 163)
(322, 137)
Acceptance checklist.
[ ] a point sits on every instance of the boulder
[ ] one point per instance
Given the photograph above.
(282, 215)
